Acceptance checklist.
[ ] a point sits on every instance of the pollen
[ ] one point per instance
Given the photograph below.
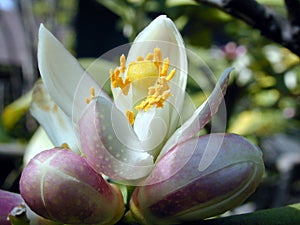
(92, 95)
(157, 95)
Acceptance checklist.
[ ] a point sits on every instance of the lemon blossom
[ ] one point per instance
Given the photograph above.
(140, 137)
(121, 138)
(129, 132)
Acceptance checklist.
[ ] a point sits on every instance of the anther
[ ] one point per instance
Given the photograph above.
(92, 95)
(139, 58)
(65, 145)
(171, 75)
(92, 92)
(130, 117)
(123, 63)
(149, 56)
(165, 67)
(157, 57)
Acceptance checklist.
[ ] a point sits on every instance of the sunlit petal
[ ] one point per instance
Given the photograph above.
(67, 83)
(58, 126)
(162, 33)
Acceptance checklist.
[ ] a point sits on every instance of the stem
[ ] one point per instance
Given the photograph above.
(271, 25)
(293, 9)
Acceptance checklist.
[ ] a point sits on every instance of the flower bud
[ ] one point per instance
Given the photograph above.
(8, 201)
(180, 189)
(59, 185)
(12, 205)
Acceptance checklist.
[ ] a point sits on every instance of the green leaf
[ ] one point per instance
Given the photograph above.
(14, 111)
(288, 215)
(258, 122)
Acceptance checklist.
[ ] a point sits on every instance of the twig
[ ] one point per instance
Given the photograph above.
(271, 25)
(293, 9)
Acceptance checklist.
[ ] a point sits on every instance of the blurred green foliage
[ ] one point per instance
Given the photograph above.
(263, 97)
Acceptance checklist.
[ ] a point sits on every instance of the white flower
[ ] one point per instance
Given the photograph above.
(122, 138)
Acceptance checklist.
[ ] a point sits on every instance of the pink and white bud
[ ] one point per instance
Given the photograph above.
(178, 189)
(8, 201)
(13, 204)
(60, 185)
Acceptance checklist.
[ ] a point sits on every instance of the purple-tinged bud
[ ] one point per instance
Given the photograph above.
(8, 201)
(60, 185)
(180, 189)
(12, 204)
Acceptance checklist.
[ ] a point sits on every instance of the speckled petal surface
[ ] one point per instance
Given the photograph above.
(110, 145)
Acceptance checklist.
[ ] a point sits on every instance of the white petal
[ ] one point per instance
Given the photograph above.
(66, 81)
(188, 109)
(201, 116)
(142, 124)
(58, 126)
(151, 129)
(162, 33)
(122, 102)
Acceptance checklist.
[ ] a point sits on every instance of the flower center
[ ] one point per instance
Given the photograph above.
(148, 78)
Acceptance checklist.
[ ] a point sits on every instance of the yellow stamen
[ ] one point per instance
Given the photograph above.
(149, 56)
(171, 74)
(157, 57)
(130, 117)
(165, 67)
(123, 63)
(65, 145)
(92, 95)
(92, 92)
(139, 58)
(117, 81)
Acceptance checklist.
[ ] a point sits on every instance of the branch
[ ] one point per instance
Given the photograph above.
(293, 9)
(271, 25)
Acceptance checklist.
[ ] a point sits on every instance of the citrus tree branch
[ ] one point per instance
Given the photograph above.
(293, 10)
(285, 31)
